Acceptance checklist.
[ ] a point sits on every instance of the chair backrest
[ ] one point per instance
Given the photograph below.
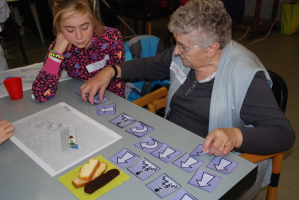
(141, 47)
(279, 89)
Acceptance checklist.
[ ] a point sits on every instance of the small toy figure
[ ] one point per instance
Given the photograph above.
(72, 142)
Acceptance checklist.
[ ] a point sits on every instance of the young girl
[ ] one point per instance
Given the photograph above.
(83, 46)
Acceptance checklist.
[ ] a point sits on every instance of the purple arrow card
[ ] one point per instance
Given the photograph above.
(96, 99)
(143, 169)
(124, 158)
(163, 186)
(222, 164)
(166, 153)
(204, 180)
(198, 151)
(149, 144)
(182, 195)
(140, 129)
(107, 109)
(122, 120)
(188, 163)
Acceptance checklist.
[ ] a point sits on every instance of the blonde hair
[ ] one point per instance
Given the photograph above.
(208, 18)
(79, 7)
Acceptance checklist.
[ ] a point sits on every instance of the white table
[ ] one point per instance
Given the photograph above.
(22, 178)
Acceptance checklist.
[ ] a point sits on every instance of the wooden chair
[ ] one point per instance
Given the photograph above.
(157, 100)
(153, 99)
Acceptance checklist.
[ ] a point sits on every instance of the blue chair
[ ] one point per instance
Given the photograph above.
(141, 47)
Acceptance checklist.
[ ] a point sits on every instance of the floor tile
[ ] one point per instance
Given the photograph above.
(285, 70)
(257, 47)
(292, 59)
(293, 116)
(283, 193)
(289, 175)
(296, 75)
(292, 84)
(276, 38)
(270, 57)
(286, 193)
(256, 42)
(293, 99)
(294, 147)
(296, 107)
(295, 153)
(287, 46)
(262, 194)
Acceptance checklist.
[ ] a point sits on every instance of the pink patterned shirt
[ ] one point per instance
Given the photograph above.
(82, 64)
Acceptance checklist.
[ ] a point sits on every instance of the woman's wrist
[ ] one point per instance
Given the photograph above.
(239, 137)
(115, 71)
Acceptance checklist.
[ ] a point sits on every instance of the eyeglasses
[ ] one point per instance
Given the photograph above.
(184, 49)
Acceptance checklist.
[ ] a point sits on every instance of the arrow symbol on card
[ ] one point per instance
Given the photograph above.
(186, 197)
(206, 178)
(136, 130)
(190, 161)
(153, 146)
(107, 109)
(222, 164)
(125, 157)
(166, 153)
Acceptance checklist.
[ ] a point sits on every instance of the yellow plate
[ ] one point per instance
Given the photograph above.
(67, 178)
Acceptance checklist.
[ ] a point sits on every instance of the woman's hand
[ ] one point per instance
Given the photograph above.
(221, 141)
(97, 83)
(61, 44)
(6, 130)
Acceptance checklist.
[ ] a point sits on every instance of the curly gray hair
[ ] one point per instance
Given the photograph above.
(208, 17)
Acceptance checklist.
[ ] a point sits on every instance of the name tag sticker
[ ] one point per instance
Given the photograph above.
(178, 72)
(97, 65)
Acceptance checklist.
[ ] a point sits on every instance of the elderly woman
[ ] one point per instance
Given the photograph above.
(219, 89)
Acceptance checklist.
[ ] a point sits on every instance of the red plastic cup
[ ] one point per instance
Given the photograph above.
(14, 87)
